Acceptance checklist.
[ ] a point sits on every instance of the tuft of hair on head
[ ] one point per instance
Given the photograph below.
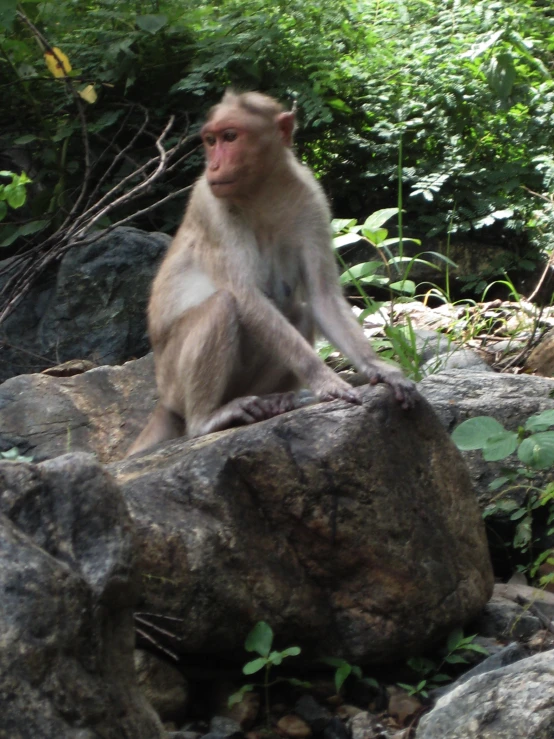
(255, 103)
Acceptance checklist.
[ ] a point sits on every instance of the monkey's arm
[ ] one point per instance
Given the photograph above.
(336, 321)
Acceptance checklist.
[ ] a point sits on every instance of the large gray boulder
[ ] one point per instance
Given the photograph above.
(352, 530)
(509, 703)
(67, 590)
(90, 306)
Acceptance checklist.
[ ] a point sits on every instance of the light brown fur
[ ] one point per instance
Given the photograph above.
(249, 277)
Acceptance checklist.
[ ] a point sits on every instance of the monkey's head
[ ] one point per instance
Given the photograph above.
(245, 137)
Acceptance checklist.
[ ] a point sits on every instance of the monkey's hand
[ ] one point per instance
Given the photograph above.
(329, 386)
(405, 390)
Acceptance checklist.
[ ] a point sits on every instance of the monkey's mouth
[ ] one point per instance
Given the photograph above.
(217, 185)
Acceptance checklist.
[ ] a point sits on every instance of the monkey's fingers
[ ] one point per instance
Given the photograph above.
(405, 391)
(339, 393)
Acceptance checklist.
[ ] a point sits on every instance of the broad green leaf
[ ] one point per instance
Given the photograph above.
(239, 695)
(341, 674)
(371, 681)
(475, 432)
(259, 639)
(341, 224)
(345, 240)
(500, 446)
(275, 658)
(7, 13)
(408, 287)
(255, 666)
(359, 270)
(441, 678)
(377, 219)
(291, 652)
(27, 139)
(538, 450)
(376, 237)
(3, 210)
(455, 659)
(151, 23)
(16, 196)
(454, 640)
(357, 671)
(338, 104)
(523, 534)
(540, 422)
(497, 483)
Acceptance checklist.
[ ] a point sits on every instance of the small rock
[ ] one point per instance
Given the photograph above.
(401, 705)
(312, 713)
(336, 729)
(504, 619)
(347, 711)
(225, 727)
(367, 726)
(162, 684)
(294, 727)
(246, 712)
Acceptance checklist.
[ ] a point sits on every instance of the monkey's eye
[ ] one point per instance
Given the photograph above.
(209, 139)
(229, 135)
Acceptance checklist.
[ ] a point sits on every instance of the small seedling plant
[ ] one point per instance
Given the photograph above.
(260, 640)
(430, 672)
(344, 669)
(533, 444)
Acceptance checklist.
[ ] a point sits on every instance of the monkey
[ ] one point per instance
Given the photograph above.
(249, 278)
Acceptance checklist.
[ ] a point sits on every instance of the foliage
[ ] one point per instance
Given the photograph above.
(461, 89)
(534, 444)
(14, 193)
(430, 671)
(344, 669)
(260, 640)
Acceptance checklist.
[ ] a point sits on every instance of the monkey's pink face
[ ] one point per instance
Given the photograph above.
(235, 155)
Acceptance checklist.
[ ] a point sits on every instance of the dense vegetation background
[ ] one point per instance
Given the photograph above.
(452, 101)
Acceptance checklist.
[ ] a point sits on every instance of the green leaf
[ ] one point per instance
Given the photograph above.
(475, 432)
(7, 13)
(275, 658)
(341, 674)
(359, 271)
(371, 681)
(477, 648)
(345, 239)
(291, 652)
(376, 220)
(522, 537)
(376, 237)
(455, 659)
(260, 639)
(16, 197)
(3, 210)
(239, 695)
(538, 450)
(28, 137)
(255, 666)
(151, 23)
(333, 661)
(404, 286)
(500, 446)
(540, 422)
(454, 640)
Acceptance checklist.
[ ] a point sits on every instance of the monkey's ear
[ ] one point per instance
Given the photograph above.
(285, 123)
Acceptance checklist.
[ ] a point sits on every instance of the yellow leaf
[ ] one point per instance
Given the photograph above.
(88, 93)
(57, 62)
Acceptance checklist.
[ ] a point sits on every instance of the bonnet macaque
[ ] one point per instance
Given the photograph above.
(248, 280)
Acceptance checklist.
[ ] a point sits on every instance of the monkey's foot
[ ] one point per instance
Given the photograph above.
(246, 410)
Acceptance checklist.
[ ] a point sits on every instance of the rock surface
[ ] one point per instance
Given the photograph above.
(67, 589)
(100, 411)
(353, 530)
(510, 703)
(92, 306)
(456, 395)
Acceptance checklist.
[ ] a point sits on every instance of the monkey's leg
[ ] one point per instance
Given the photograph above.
(219, 368)
(162, 425)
